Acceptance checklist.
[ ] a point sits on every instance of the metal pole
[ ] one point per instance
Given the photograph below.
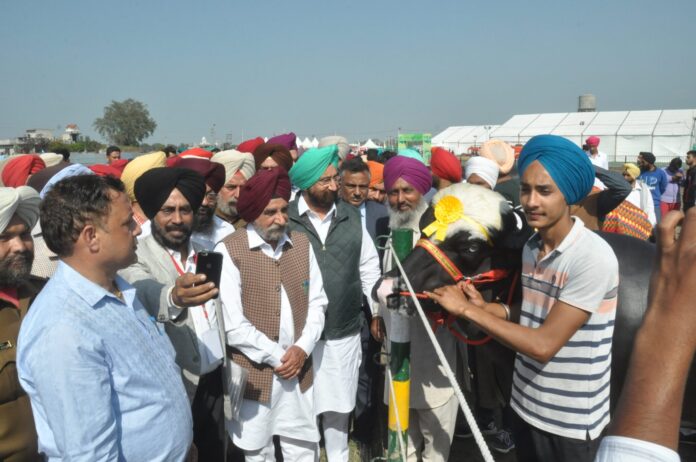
(400, 352)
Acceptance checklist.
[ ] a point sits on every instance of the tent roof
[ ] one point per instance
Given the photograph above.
(543, 124)
(574, 124)
(639, 123)
(678, 122)
(514, 125)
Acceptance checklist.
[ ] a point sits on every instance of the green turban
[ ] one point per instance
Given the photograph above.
(312, 164)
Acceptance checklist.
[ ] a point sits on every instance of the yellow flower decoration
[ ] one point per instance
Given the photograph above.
(448, 210)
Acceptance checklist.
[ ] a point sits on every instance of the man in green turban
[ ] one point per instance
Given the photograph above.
(350, 268)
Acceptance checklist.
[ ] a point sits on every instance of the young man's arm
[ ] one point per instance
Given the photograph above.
(541, 343)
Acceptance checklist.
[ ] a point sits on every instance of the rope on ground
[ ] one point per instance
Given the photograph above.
(483, 447)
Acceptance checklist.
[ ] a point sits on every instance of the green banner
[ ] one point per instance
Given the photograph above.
(419, 141)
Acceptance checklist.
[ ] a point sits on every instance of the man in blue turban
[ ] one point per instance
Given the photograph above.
(570, 276)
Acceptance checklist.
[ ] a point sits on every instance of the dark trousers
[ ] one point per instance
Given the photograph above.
(208, 417)
(534, 445)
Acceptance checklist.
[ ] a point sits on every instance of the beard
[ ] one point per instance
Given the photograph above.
(322, 198)
(205, 218)
(409, 219)
(172, 242)
(228, 208)
(271, 234)
(15, 269)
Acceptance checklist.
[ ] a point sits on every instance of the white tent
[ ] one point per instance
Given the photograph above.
(369, 144)
(460, 139)
(315, 142)
(623, 134)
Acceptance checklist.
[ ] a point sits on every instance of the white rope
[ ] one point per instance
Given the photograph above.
(483, 447)
(392, 396)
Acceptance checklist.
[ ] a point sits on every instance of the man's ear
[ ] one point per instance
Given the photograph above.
(90, 238)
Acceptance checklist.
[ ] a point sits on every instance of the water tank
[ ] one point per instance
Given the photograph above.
(587, 103)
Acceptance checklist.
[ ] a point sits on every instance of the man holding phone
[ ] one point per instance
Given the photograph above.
(274, 302)
(165, 280)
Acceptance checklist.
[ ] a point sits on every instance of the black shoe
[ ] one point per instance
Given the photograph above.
(502, 442)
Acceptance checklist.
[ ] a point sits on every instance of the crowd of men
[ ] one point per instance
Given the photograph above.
(114, 347)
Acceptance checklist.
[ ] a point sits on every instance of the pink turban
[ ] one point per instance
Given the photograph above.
(445, 165)
(592, 141)
(499, 152)
(412, 171)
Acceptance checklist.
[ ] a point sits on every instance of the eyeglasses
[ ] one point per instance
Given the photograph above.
(325, 182)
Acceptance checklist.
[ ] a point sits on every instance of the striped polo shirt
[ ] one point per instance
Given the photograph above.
(569, 395)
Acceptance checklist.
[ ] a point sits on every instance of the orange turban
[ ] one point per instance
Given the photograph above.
(196, 152)
(445, 165)
(376, 172)
(18, 169)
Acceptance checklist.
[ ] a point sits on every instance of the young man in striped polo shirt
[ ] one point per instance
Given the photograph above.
(570, 279)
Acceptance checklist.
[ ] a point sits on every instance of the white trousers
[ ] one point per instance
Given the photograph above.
(335, 425)
(293, 451)
(430, 432)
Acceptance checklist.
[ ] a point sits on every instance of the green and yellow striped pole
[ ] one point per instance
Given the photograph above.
(400, 353)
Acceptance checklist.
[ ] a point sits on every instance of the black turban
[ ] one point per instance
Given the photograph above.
(212, 172)
(260, 189)
(153, 188)
(649, 157)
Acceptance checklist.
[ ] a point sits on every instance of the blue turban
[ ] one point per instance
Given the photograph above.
(312, 164)
(567, 164)
(67, 172)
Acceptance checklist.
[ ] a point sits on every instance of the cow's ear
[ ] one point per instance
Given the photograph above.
(515, 230)
(427, 218)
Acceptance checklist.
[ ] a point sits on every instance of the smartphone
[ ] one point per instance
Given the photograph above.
(210, 264)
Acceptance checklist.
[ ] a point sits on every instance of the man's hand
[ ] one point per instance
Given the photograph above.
(473, 295)
(377, 328)
(293, 360)
(454, 300)
(192, 290)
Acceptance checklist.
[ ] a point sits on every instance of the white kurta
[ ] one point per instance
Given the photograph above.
(290, 412)
(203, 317)
(338, 361)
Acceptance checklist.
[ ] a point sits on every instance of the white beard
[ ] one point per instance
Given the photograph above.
(409, 219)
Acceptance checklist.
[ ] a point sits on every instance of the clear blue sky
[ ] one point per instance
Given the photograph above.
(357, 68)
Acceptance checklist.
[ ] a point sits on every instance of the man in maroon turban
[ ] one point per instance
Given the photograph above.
(209, 229)
(446, 167)
(273, 296)
(289, 140)
(269, 155)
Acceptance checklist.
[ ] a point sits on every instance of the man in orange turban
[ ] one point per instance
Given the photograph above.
(376, 192)
(17, 170)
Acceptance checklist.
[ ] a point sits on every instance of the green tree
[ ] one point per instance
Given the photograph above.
(125, 122)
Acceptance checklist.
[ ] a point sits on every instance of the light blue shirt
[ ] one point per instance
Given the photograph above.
(101, 375)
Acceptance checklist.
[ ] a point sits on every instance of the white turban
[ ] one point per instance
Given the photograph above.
(236, 161)
(51, 158)
(341, 142)
(485, 168)
(23, 201)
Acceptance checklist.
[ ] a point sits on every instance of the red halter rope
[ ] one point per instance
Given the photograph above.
(448, 320)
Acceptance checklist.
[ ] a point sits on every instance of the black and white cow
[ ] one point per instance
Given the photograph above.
(475, 251)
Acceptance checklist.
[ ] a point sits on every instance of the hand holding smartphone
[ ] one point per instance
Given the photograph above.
(210, 264)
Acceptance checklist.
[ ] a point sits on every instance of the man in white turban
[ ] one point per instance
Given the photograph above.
(19, 211)
(481, 171)
(340, 141)
(239, 168)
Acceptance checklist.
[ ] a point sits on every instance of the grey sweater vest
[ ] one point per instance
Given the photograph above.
(339, 262)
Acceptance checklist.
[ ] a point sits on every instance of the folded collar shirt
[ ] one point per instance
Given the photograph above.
(101, 375)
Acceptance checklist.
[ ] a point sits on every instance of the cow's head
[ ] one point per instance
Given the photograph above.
(475, 228)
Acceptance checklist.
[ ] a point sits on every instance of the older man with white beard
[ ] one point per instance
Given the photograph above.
(239, 168)
(433, 405)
